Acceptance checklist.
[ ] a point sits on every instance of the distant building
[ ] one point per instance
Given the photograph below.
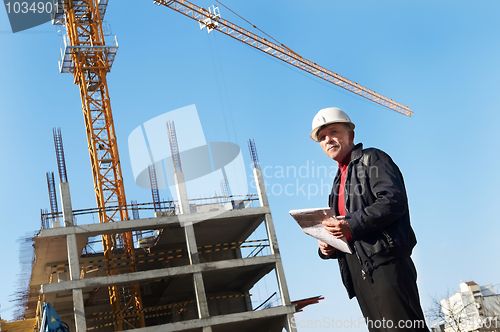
(472, 308)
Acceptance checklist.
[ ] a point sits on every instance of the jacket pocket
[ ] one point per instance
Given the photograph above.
(377, 244)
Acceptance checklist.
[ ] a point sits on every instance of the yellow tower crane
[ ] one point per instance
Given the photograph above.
(89, 59)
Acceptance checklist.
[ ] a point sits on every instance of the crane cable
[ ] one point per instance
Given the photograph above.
(222, 91)
(253, 25)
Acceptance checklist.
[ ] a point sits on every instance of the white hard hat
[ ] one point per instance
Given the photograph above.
(328, 116)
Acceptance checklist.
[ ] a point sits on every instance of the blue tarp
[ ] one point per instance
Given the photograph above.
(51, 321)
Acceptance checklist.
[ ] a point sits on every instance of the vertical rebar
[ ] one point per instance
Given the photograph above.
(253, 153)
(61, 163)
(154, 188)
(45, 220)
(225, 191)
(52, 196)
(135, 210)
(135, 216)
(174, 147)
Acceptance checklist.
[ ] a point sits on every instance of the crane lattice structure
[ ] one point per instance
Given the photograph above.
(89, 59)
(212, 20)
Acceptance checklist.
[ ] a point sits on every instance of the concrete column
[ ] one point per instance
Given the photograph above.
(290, 326)
(280, 272)
(273, 243)
(73, 258)
(201, 296)
(67, 209)
(182, 197)
(79, 311)
(199, 287)
(261, 186)
(74, 272)
(248, 301)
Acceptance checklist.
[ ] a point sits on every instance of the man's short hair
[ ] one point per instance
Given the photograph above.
(346, 126)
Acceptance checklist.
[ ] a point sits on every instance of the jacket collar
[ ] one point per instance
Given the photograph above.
(357, 151)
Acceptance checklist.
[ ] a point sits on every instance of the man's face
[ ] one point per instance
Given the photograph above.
(336, 141)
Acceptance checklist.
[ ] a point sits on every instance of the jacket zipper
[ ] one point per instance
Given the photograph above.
(388, 237)
(363, 273)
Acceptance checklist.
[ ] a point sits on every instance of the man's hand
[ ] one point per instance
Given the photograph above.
(326, 249)
(337, 227)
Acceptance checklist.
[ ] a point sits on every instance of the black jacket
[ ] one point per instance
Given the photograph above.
(376, 211)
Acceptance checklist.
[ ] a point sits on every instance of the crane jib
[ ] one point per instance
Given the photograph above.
(215, 22)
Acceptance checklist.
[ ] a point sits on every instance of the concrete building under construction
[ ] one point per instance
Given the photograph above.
(194, 264)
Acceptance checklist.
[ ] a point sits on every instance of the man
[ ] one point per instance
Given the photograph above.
(369, 201)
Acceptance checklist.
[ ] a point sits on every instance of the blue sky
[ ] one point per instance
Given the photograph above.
(439, 58)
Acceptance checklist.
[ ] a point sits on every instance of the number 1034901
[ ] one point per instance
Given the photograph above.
(25, 7)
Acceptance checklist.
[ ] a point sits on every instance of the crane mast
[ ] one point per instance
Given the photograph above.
(89, 59)
(213, 21)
